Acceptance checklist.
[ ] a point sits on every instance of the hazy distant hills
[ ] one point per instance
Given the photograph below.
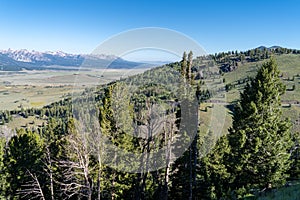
(15, 60)
(268, 48)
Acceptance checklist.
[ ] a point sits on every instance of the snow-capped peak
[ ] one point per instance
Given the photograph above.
(24, 55)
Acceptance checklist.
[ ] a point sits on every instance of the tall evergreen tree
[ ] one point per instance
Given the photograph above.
(115, 117)
(295, 166)
(23, 154)
(183, 177)
(184, 65)
(3, 183)
(259, 139)
(213, 175)
(189, 66)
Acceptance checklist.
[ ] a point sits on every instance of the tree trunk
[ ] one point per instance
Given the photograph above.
(51, 176)
(99, 177)
(190, 175)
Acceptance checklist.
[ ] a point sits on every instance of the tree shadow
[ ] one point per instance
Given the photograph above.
(231, 107)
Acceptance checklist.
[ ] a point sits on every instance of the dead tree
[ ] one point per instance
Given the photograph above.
(76, 171)
(32, 189)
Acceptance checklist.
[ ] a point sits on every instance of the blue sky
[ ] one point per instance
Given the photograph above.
(79, 26)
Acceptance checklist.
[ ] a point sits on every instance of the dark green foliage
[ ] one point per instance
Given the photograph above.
(189, 66)
(229, 61)
(259, 139)
(24, 154)
(184, 65)
(3, 182)
(5, 117)
(256, 152)
(214, 176)
(228, 87)
(295, 166)
(180, 178)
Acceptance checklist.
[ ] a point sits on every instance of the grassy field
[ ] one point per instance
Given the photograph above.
(212, 118)
(17, 96)
(292, 192)
(289, 65)
(29, 122)
(40, 88)
(289, 193)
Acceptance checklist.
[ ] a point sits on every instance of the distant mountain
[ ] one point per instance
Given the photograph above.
(274, 47)
(14, 60)
(262, 48)
(154, 62)
(269, 48)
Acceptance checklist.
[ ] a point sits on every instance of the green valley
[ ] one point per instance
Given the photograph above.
(238, 113)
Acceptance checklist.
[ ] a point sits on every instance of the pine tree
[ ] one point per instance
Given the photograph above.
(184, 65)
(23, 154)
(3, 183)
(212, 172)
(115, 118)
(295, 166)
(259, 139)
(189, 66)
(183, 177)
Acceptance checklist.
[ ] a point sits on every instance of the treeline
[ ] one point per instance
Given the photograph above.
(65, 158)
(60, 109)
(229, 61)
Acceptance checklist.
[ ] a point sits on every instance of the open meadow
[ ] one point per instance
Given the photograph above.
(39, 88)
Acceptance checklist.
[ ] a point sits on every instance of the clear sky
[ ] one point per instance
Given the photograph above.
(79, 26)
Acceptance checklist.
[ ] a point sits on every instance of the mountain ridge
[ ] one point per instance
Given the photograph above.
(15, 60)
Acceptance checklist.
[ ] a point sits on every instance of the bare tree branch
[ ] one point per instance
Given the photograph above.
(32, 189)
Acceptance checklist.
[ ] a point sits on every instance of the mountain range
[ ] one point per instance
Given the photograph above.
(15, 60)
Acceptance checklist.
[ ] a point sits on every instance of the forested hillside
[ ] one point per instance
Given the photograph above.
(64, 152)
